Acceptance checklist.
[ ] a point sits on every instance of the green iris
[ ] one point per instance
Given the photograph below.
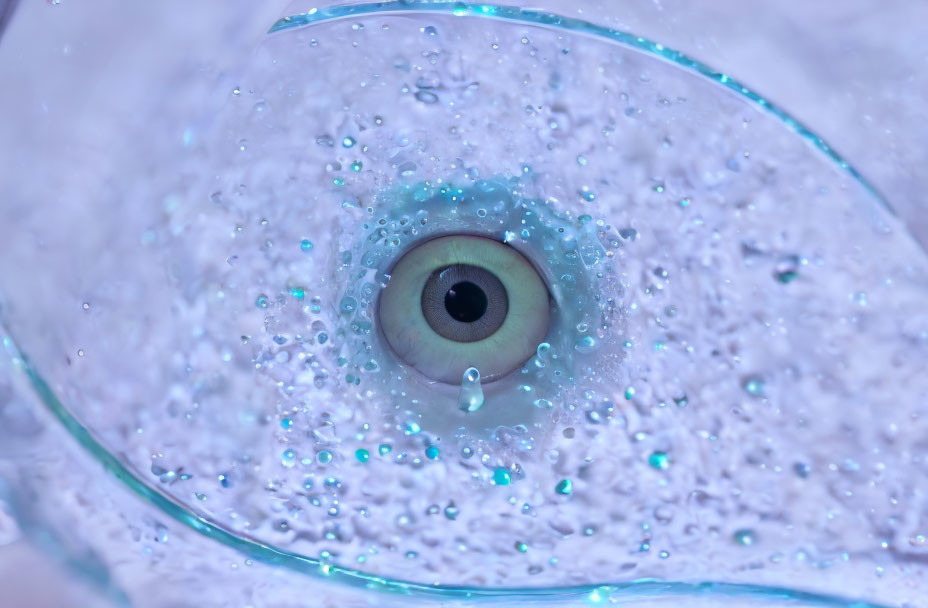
(464, 301)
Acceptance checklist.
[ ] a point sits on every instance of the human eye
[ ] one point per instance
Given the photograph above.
(417, 302)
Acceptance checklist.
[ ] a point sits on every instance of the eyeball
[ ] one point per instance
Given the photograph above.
(463, 301)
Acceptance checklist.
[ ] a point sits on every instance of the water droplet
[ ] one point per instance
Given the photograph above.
(501, 477)
(306, 245)
(564, 487)
(261, 301)
(161, 533)
(384, 449)
(324, 457)
(744, 536)
(426, 97)
(288, 459)
(348, 142)
(471, 398)
(543, 403)
(348, 304)
(362, 455)
(659, 461)
(541, 354)
(586, 194)
(802, 469)
(628, 233)
(432, 452)
(787, 269)
(754, 386)
(406, 169)
(586, 344)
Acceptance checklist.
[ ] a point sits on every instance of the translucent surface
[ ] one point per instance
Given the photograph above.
(731, 389)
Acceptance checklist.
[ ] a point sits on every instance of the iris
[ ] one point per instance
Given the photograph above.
(464, 301)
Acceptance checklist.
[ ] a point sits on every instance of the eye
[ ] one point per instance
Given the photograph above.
(463, 302)
(458, 302)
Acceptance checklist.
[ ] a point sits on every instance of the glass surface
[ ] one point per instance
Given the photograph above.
(724, 407)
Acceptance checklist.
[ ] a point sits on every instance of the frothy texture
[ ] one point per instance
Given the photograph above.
(732, 388)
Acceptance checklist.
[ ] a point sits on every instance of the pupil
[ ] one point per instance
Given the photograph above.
(465, 302)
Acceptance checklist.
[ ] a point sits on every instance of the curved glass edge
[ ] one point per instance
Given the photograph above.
(274, 556)
(542, 18)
